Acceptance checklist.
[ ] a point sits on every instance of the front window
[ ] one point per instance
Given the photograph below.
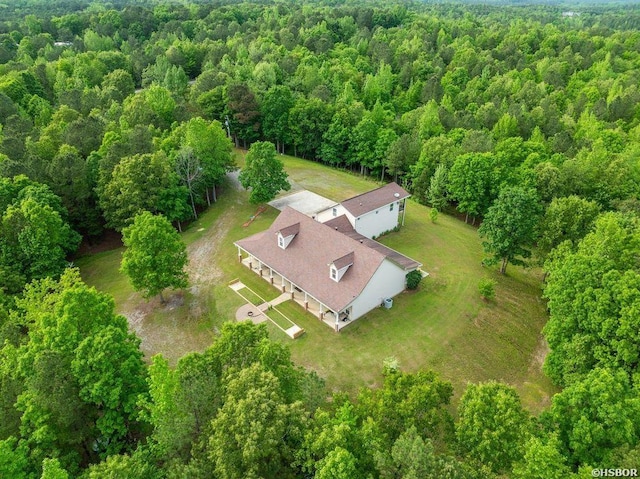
(391, 207)
(335, 212)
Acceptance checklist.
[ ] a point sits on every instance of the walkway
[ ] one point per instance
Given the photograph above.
(259, 310)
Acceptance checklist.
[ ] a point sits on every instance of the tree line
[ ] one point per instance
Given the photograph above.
(517, 117)
(78, 400)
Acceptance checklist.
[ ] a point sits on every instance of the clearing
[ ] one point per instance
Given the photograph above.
(444, 326)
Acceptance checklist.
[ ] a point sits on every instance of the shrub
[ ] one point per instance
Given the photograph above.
(413, 279)
(433, 214)
(390, 365)
(487, 288)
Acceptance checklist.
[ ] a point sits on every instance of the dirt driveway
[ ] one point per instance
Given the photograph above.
(162, 328)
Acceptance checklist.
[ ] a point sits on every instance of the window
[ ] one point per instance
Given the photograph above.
(391, 207)
(281, 241)
(335, 212)
(334, 274)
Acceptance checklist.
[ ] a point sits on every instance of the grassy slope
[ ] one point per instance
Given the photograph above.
(444, 325)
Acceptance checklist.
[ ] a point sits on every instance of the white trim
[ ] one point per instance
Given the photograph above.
(284, 277)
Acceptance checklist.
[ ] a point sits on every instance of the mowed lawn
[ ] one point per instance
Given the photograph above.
(444, 326)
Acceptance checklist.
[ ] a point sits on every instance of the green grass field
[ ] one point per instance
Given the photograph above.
(444, 326)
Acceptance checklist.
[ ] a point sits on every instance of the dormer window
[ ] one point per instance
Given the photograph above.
(335, 211)
(286, 235)
(391, 207)
(339, 267)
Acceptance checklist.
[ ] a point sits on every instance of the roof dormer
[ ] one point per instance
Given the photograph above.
(338, 267)
(286, 235)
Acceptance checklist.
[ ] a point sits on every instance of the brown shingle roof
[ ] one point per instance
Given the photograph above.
(306, 260)
(342, 225)
(343, 261)
(374, 199)
(290, 230)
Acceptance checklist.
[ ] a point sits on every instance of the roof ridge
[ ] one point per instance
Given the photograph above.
(367, 192)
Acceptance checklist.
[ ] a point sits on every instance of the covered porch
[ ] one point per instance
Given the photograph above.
(333, 319)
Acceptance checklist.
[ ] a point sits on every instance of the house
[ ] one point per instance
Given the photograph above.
(331, 268)
(372, 213)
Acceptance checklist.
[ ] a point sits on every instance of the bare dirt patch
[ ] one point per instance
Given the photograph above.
(176, 327)
(163, 331)
(539, 355)
(202, 267)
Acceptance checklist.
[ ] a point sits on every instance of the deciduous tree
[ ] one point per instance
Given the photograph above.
(275, 107)
(542, 460)
(155, 257)
(256, 431)
(263, 173)
(595, 415)
(510, 226)
(140, 183)
(594, 297)
(473, 183)
(410, 457)
(82, 373)
(35, 239)
(566, 219)
(492, 427)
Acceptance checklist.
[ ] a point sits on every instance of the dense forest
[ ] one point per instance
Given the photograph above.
(525, 119)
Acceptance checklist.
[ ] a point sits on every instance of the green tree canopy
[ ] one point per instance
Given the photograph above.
(473, 182)
(210, 146)
(492, 427)
(255, 434)
(139, 183)
(542, 459)
(34, 238)
(263, 173)
(566, 219)
(594, 299)
(155, 257)
(509, 226)
(594, 416)
(82, 374)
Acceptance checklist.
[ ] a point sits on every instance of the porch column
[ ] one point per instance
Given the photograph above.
(284, 288)
(239, 254)
(306, 302)
(337, 322)
(260, 268)
(292, 289)
(321, 314)
(270, 275)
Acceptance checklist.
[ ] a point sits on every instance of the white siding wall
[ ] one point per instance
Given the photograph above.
(326, 215)
(387, 281)
(373, 224)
